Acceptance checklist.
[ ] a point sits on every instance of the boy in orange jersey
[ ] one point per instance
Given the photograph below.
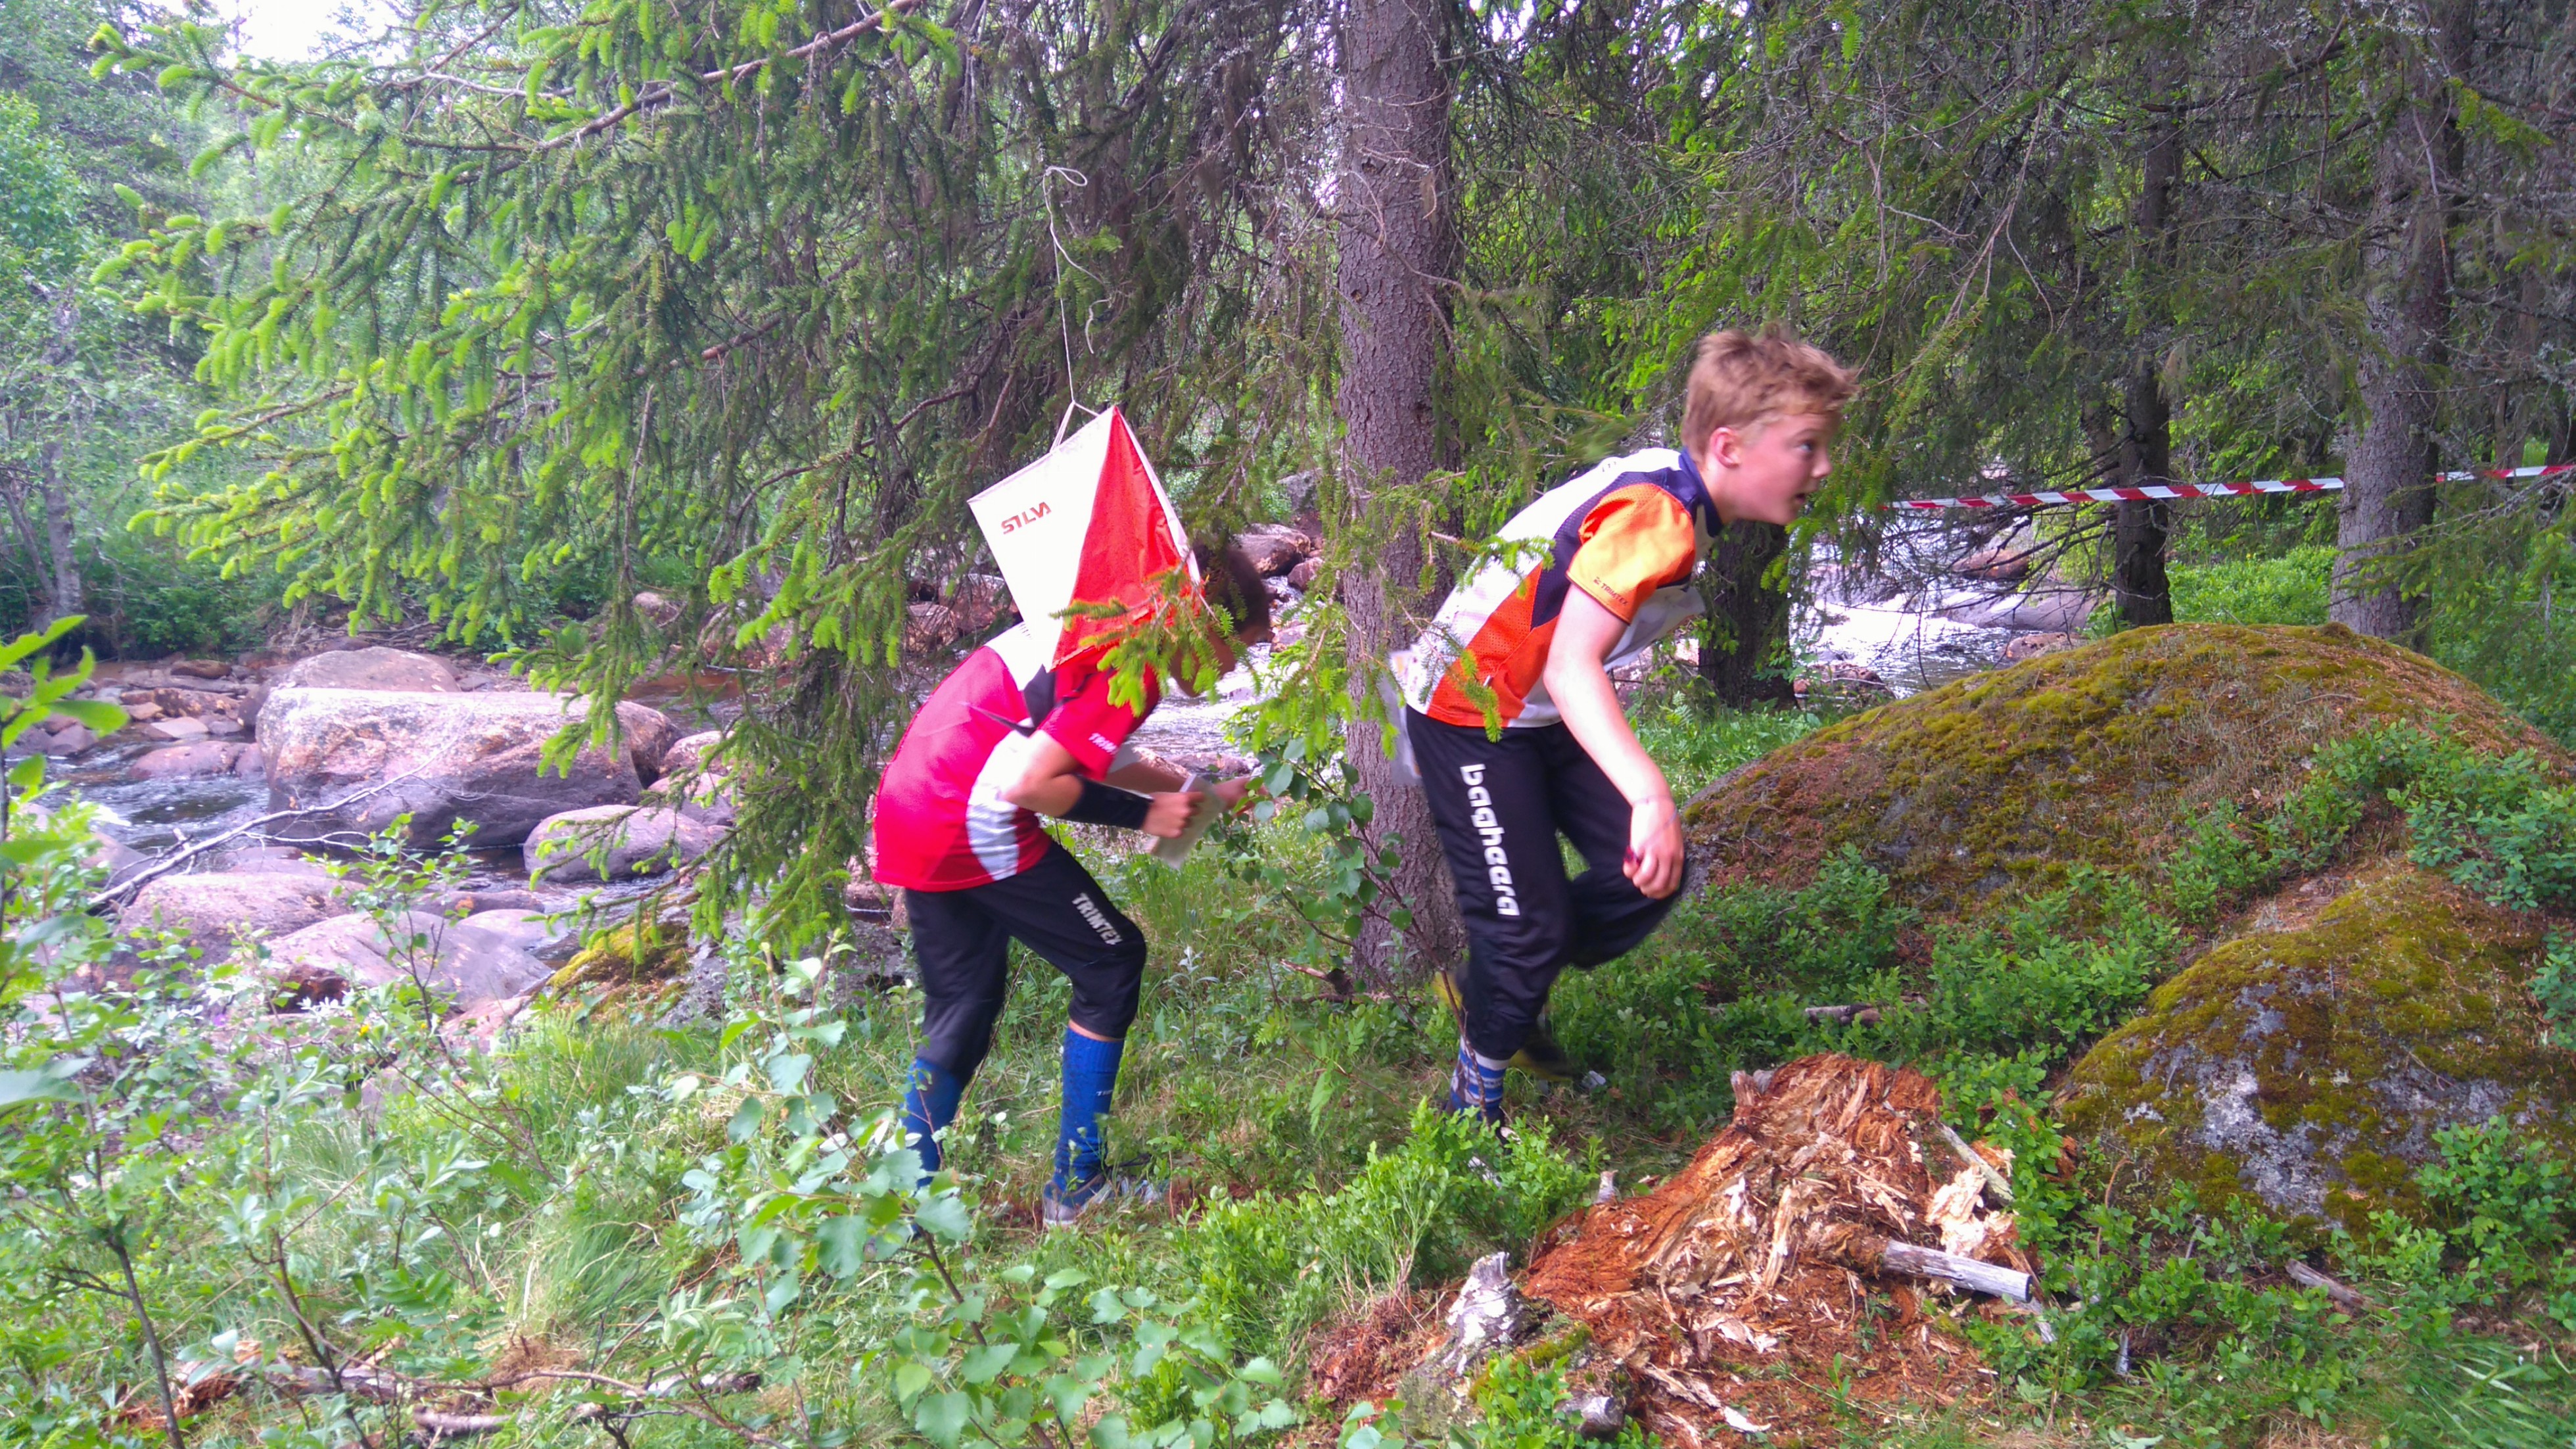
(1529, 644)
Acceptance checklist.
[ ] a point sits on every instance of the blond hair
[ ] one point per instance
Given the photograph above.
(1738, 379)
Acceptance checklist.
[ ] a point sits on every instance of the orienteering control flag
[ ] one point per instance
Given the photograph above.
(1087, 524)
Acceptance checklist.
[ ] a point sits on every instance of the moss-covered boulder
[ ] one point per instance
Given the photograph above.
(636, 951)
(2094, 756)
(2308, 1068)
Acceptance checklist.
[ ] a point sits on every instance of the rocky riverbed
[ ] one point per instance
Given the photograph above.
(255, 774)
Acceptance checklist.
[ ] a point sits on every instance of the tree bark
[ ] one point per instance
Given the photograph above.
(2388, 488)
(1395, 237)
(1740, 655)
(2138, 526)
(61, 571)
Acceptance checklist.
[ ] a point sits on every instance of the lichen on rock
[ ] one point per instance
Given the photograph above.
(2308, 1069)
(1998, 785)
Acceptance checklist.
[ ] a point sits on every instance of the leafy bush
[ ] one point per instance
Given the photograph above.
(1727, 986)
(2055, 974)
(2285, 588)
(1712, 992)
(2289, 588)
(2554, 987)
(1696, 744)
(2498, 825)
(2510, 629)
(1269, 1267)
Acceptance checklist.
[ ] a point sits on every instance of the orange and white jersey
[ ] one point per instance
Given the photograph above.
(1630, 533)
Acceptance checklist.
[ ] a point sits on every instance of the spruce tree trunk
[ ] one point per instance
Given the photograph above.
(1741, 654)
(2388, 487)
(63, 593)
(2138, 526)
(1395, 237)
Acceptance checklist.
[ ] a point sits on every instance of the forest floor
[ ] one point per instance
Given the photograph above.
(1318, 1210)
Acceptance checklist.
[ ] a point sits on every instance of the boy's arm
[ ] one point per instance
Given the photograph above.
(1052, 785)
(1586, 632)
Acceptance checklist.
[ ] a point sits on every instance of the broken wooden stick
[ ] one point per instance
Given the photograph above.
(438, 1425)
(1995, 1181)
(1951, 1268)
(2344, 1295)
(1844, 1015)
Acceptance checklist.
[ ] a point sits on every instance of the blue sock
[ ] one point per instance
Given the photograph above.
(929, 1103)
(1090, 1078)
(1476, 1084)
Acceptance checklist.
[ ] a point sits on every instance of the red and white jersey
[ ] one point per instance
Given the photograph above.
(1630, 533)
(941, 821)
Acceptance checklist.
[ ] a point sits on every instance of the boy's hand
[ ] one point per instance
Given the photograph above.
(1654, 863)
(1230, 793)
(1168, 814)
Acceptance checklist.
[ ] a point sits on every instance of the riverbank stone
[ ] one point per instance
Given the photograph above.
(463, 962)
(185, 761)
(214, 910)
(2097, 756)
(352, 760)
(374, 667)
(637, 841)
(693, 783)
(2308, 1068)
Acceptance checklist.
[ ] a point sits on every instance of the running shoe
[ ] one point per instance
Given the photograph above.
(1539, 1056)
(1125, 1182)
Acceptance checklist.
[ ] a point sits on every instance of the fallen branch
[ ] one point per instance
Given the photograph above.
(365, 1383)
(1996, 1183)
(2342, 1294)
(107, 898)
(441, 1425)
(1951, 1268)
(1340, 990)
(1844, 1015)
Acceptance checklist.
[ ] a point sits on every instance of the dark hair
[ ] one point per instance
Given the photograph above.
(1234, 585)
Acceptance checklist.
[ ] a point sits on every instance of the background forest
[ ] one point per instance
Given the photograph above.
(631, 341)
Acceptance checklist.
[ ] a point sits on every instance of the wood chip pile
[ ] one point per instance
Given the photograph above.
(1738, 1290)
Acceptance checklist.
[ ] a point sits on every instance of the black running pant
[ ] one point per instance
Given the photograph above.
(962, 942)
(1499, 806)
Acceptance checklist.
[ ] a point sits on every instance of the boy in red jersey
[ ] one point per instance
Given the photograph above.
(1528, 647)
(1001, 741)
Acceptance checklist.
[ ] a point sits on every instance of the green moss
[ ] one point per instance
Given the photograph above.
(639, 950)
(2095, 756)
(2308, 1068)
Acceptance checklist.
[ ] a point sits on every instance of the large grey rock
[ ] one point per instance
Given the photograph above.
(1274, 548)
(479, 899)
(649, 736)
(353, 760)
(2307, 1070)
(536, 932)
(693, 783)
(374, 667)
(461, 961)
(637, 842)
(691, 752)
(215, 909)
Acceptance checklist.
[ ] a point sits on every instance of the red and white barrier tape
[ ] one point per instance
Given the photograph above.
(2195, 490)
